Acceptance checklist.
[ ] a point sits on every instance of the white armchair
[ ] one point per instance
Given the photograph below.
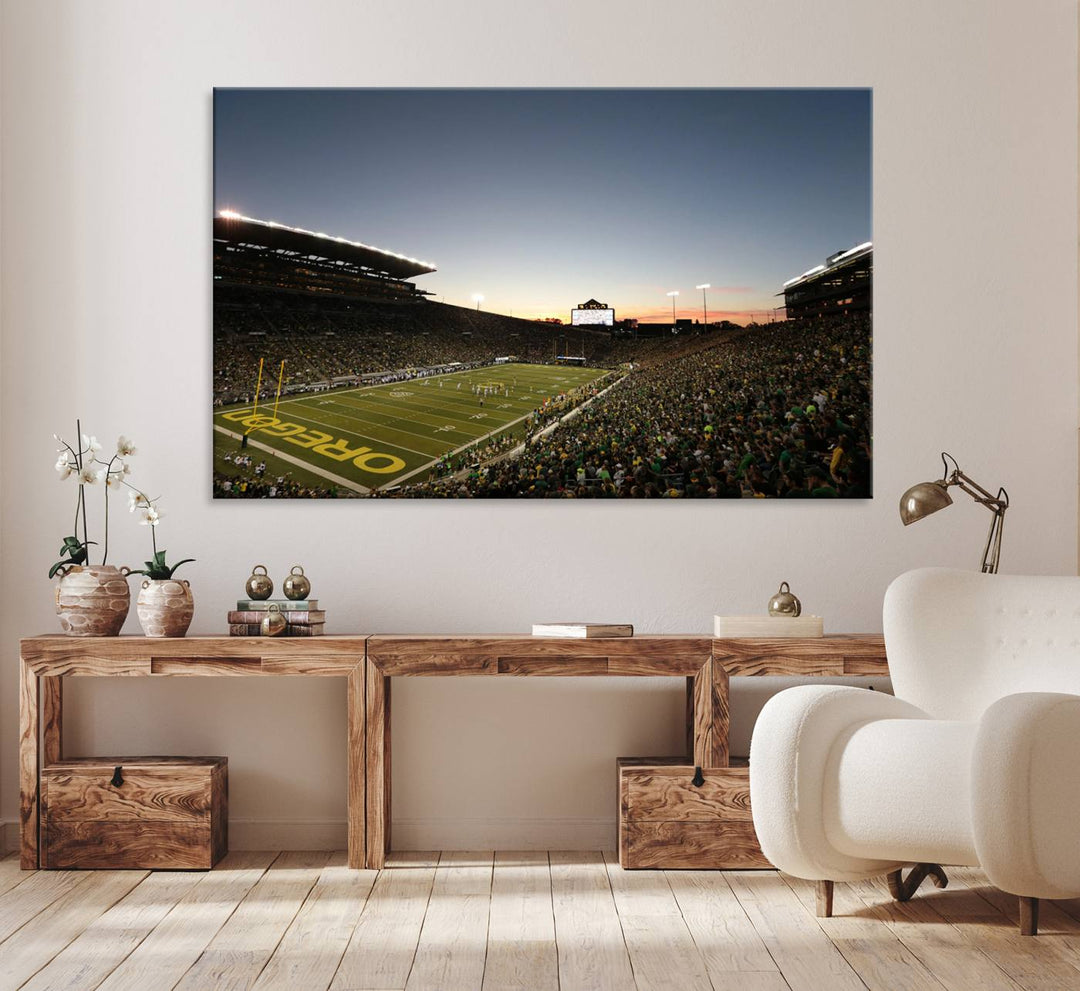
(975, 761)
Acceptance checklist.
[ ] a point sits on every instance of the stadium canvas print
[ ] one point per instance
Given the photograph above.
(524, 294)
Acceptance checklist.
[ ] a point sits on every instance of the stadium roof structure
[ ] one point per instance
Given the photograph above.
(842, 285)
(833, 261)
(301, 243)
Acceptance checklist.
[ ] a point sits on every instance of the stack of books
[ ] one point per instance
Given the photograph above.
(303, 617)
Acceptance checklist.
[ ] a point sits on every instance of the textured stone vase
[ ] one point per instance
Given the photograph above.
(165, 607)
(93, 600)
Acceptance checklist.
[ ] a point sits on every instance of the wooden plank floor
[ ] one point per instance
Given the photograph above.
(512, 921)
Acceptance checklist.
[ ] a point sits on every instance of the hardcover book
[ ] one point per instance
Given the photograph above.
(582, 630)
(255, 630)
(305, 617)
(285, 605)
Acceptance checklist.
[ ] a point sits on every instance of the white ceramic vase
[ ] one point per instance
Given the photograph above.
(165, 607)
(93, 600)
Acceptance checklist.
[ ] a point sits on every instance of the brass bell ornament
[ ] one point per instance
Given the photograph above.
(784, 603)
(259, 585)
(273, 623)
(296, 586)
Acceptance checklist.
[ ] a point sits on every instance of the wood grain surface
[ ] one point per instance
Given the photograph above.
(243, 656)
(142, 845)
(582, 920)
(377, 762)
(802, 656)
(672, 656)
(667, 793)
(691, 845)
(29, 764)
(166, 788)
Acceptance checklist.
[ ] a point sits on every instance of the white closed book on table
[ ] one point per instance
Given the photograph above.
(582, 630)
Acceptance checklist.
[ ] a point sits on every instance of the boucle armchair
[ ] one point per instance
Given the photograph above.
(975, 761)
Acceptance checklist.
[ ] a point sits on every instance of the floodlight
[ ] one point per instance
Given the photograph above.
(673, 294)
(704, 285)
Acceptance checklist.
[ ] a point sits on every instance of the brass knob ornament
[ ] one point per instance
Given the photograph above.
(273, 623)
(784, 603)
(259, 585)
(296, 586)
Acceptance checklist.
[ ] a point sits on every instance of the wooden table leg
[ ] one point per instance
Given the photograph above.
(29, 777)
(690, 685)
(721, 715)
(52, 719)
(710, 715)
(356, 816)
(378, 765)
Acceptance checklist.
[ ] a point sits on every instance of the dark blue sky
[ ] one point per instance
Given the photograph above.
(540, 199)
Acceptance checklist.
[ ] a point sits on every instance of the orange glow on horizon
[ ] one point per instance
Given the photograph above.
(661, 315)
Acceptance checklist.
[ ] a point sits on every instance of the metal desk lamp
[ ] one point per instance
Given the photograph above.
(928, 497)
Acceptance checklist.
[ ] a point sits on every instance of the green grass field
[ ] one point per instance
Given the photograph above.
(371, 437)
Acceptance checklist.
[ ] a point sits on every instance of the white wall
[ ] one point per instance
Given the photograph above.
(106, 315)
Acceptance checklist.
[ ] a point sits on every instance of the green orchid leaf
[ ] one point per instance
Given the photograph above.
(186, 560)
(159, 558)
(56, 567)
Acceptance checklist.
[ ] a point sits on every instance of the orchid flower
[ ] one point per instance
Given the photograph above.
(90, 474)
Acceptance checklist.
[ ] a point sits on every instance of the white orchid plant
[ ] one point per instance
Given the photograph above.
(84, 462)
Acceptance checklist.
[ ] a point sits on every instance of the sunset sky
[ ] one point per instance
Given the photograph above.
(540, 199)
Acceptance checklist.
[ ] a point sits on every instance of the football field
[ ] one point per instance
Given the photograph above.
(370, 437)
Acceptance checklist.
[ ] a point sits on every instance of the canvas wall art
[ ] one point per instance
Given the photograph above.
(543, 293)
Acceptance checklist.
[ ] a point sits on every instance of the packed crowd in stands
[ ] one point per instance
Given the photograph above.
(377, 342)
(781, 411)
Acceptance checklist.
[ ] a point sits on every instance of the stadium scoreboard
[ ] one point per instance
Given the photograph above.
(592, 313)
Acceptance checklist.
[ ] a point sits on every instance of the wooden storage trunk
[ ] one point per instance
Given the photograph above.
(165, 813)
(666, 821)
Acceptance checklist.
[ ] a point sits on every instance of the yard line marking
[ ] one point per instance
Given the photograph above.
(457, 450)
(438, 416)
(307, 466)
(424, 403)
(444, 410)
(434, 416)
(322, 424)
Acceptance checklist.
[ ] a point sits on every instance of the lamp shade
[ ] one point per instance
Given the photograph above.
(922, 500)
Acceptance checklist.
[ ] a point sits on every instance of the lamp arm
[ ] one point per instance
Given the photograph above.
(992, 551)
(998, 503)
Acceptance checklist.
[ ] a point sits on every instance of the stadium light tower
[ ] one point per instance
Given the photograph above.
(673, 294)
(478, 299)
(705, 302)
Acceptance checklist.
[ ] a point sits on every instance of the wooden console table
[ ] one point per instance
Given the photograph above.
(705, 663)
(369, 662)
(46, 661)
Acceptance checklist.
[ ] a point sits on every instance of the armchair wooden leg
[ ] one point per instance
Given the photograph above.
(824, 899)
(1029, 916)
(902, 888)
